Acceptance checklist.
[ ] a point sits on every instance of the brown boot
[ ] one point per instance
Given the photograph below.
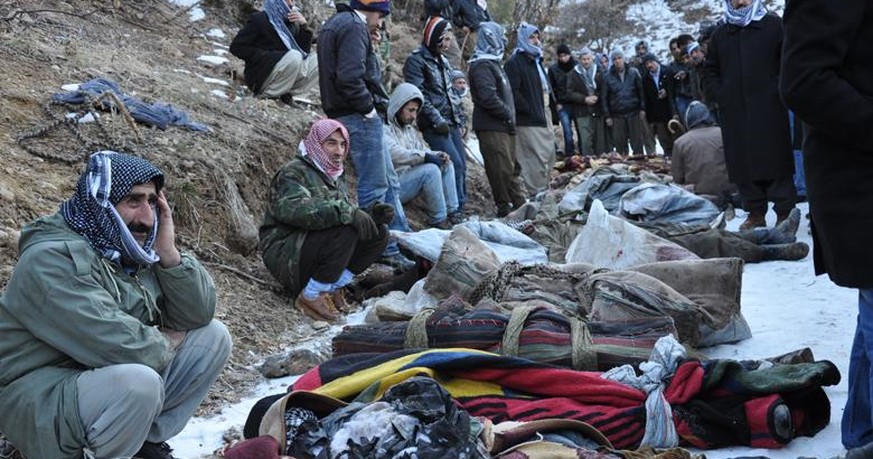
(754, 220)
(338, 298)
(320, 308)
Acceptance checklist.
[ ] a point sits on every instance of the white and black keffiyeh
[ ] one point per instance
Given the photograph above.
(744, 16)
(91, 211)
(277, 12)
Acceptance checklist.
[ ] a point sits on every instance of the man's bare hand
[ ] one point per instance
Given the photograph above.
(165, 243)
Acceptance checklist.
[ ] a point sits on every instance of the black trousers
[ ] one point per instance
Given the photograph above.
(326, 253)
(780, 191)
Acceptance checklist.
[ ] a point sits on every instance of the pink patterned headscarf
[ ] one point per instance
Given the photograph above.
(321, 130)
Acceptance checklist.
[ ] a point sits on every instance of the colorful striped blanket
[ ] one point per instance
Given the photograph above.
(715, 403)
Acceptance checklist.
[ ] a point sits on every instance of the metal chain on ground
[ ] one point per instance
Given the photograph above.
(87, 146)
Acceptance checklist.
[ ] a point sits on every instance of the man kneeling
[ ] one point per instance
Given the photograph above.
(313, 238)
(109, 342)
(420, 170)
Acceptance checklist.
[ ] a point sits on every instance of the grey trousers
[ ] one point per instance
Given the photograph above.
(122, 406)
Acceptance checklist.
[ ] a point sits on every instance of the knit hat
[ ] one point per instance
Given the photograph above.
(648, 57)
(616, 53)
(696, 115)
(641, 44)
(458, 74)
(563, 49)
(585, 51)
(434, 30)
(380, 6)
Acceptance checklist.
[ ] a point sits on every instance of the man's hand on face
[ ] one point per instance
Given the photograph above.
(165, 242)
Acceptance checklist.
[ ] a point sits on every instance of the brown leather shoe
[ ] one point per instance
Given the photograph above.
(754, 220)
(338, 298)
(320, 308)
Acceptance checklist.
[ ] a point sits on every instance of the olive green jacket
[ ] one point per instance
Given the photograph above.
(67, 309)
(301, 199)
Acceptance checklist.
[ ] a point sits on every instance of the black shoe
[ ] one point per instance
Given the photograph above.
(397, 261)
(862, 452)
(791, 252)
(457, 217)
(154, 451)
(8, 450)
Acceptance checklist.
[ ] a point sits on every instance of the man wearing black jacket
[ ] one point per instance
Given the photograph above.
(558, 78)
(658, 87)
(275, 45)
(826, 80)
(494, 118)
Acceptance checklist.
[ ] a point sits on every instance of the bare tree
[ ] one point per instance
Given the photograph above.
(596, 23)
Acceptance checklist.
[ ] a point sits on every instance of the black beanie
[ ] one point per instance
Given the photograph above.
(434, 30)
(563, 49)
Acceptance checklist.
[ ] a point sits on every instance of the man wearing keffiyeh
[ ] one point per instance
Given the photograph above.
(109, 342)
(314, 238)
(275, 45)
(740, 75)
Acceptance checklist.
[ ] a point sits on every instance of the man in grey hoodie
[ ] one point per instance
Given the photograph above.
(421, 170)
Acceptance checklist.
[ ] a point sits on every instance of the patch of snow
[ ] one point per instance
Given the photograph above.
(215, 60)
(219, 51)
(196, 14)
(218, 93)
(71, 87)
(216, 33)
(214, 81)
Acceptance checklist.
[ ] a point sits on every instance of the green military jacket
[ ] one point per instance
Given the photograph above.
(301, 199)
(67, 309)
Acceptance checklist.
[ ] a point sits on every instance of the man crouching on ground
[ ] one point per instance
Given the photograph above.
(314, 239)
(109, 342)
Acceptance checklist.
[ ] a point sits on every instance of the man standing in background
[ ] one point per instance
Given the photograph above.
(741, 74)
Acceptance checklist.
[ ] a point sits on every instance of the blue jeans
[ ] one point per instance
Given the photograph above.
(454, 147)
(376, 179)
(437, 186)
(857, 426)
(367, 152)
(566, 115)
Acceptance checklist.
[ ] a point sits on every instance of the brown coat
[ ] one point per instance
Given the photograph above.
(698, 159)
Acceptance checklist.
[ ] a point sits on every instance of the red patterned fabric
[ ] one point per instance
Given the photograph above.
(321, 130)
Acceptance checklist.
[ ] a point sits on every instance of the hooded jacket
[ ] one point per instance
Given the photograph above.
(67, 309)
(405, 144)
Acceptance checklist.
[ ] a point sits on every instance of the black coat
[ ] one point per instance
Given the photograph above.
(558, 79)
(659, 110)
(741, 74)
(577, 91)
(347, 65)
(258, 44)
(622, 97)
(493, 107)
(432, 74)
(468, 13)
(527, 90)
(827, 80)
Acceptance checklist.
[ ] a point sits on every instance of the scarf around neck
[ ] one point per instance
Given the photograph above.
(277, 12)
(91, 211)
(744, 16)
(311, 145)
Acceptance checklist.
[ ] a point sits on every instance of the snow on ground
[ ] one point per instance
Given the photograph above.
(786, 306)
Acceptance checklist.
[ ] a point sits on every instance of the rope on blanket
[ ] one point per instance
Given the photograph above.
(416, 330)
(582, 343)
(512, 334)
